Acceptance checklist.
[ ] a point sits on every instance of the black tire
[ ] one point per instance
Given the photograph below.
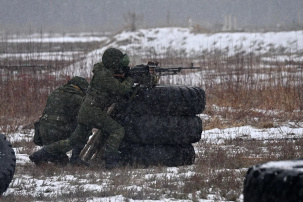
(274, 182)
(157, 130)
(168, 100)
(155, 155)
(7, 163)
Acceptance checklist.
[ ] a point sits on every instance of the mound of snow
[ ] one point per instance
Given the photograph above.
(163, 42)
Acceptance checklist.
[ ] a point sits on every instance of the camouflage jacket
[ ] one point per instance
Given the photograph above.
(106, 88)
(62, 106)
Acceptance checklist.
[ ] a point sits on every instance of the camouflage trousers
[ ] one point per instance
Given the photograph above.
(91, 116)
(51, 132)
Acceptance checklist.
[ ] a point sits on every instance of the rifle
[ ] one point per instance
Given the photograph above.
(147, 75)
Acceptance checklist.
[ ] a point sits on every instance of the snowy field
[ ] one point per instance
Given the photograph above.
(170, 42)
(163, 42)
(186, 183)
(49, 183)
(56, 182)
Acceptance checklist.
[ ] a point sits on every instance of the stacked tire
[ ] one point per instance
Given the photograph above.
(274, 181)
(161, 124)
(7, 163)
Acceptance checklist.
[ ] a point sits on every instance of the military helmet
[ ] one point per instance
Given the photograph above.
(80, 82)
(114, 59)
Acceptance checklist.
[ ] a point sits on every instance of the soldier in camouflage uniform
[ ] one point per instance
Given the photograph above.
(104, 90)
(59, 118)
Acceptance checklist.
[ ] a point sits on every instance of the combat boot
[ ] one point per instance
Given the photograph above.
(61, 160)
(41, 156)
(75, 159)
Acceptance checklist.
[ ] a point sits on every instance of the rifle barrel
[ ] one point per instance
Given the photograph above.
(175, 70)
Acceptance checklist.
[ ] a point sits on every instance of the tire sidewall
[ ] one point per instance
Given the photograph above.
(7, 162)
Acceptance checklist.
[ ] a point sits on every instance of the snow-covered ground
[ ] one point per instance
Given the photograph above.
(214, 135)
(174, 41)
(58, 183)
(57, 38)
(163, 42)
(158, 42)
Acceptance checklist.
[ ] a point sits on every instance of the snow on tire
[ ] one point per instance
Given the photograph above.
(274, 181)
(7, 163)
(154, 155)
(168, 100)
(157, 130)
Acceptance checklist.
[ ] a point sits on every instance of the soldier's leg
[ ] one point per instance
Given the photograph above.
(100, 154)
(41, 156)
(115, 133)
(50, 134)
(57, 149)
(94, 149)
(78, 138)
(75, 158)
(112, 129)
(96, 117)
(88, 115)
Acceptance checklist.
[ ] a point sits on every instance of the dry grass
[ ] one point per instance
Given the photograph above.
(219, 170)
(242, 97)
(22, 101)
(26, 82)
(246, 84)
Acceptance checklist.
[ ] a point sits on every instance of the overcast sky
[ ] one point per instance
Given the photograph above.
(109, 15)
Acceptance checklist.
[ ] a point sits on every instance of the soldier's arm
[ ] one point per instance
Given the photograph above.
(114, 86)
